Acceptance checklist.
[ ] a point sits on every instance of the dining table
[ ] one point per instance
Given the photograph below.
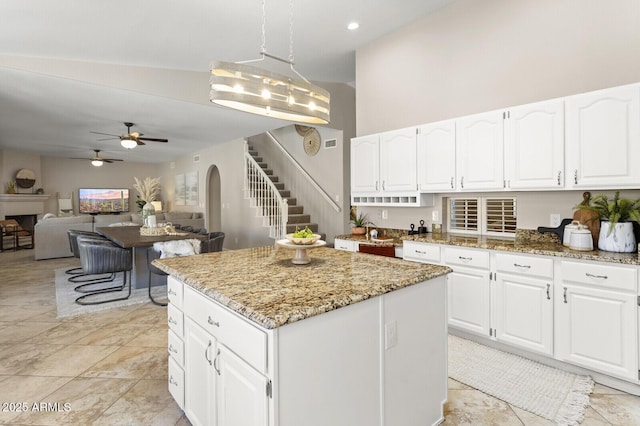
(129, 237)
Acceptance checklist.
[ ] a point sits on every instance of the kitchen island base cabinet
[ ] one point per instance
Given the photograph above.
(382, 361)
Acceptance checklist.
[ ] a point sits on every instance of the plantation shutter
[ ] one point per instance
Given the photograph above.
(500, 215)
(463, 215)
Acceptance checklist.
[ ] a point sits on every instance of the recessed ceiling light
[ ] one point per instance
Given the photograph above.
(353, 26)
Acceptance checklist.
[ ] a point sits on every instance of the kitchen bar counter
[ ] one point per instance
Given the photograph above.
(263, 285)
(536, 247)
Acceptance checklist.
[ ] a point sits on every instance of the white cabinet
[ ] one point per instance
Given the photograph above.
(468, 289)
(365, 164)
(603, 138)
(534, 146)
(398, 160)
(436, 153)
(346, 245)
(479, 151)
(523, 306)
(200, 350)
(597, 318)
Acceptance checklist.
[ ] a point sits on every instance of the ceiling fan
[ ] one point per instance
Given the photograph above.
(131, 139)
(97, 160)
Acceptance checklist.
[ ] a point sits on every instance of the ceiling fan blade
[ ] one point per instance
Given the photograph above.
(139, 142)
(153, 139)
(78, 158)
(106, 134)
(108, 139)
(111, 160)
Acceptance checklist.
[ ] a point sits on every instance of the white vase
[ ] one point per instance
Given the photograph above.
(621, 239)
(147, 211)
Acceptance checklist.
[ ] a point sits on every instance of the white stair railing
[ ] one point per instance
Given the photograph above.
(265, 197)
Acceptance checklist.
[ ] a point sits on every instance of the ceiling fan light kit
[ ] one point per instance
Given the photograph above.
(131, 139)
(128, 143)
(263, 92)
(97, 162)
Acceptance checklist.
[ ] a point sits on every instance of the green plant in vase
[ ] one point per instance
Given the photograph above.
(616, 221)
(360, 222)
(11, 187)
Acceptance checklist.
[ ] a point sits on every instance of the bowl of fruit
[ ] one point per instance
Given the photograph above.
(303, 237)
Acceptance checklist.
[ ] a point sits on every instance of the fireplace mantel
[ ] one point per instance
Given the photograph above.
(22, 204)
(23, 197)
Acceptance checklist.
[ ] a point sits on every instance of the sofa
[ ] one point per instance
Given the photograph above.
(50, 232)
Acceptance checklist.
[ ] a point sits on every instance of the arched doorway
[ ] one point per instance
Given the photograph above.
(214, 203)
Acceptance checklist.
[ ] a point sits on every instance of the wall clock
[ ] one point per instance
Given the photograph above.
(311, 142)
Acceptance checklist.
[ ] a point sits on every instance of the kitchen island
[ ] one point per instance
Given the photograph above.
(350, 339)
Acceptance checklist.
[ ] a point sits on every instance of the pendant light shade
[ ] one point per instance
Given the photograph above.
(128, 143)
(252, 89)
(258, 91)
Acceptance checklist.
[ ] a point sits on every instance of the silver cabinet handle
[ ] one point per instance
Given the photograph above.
(376, 185)
(173, 382)
(462, 182)
(421, 252)
(559, 176)
(383, 185)
(522, 266)
(598, 277)
(548, 295)
(451, 182)
(212, 322)
(575, 176)
(565, 294)
(214, 362)
(466, 259)
(172, 292)
(172, 321)
(206, 353)
(172, 349)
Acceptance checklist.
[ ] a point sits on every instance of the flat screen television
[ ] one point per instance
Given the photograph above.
(103, 200)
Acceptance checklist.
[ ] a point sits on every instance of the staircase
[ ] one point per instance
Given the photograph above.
(274, 203)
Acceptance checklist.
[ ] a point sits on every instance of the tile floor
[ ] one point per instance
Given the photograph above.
(110, 367)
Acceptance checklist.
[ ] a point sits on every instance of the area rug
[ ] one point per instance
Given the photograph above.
(551, 393)
(66, 296)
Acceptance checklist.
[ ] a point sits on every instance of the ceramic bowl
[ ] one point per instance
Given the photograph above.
(302, 241)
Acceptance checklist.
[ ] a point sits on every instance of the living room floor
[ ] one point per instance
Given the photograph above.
(111, 367)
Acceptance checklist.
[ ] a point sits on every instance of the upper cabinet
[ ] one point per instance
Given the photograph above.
(479, 151)
(602, 142)
(365, 164)
(398, 160)
(436, 151)
(534, 146)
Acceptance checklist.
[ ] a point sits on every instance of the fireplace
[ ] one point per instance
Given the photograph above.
(26, 221)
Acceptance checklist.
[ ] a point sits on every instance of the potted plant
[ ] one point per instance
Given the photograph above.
(616, 221)
(360, 222)
(11, 187)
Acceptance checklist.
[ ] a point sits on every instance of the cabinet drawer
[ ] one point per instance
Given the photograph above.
(524, 265)
(466, 257)
(175, 319)
(421, 252)
(174, 291)
(176, 348)
(600, 275)
(236, 333)
(176, 382)
(345, 245)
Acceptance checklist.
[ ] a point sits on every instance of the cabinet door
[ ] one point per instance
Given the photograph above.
(603, 138)
(524, 312)
(479, 148)
(436, 155)
(398, 160)
(468, 300)
(597, 328)
(345, 245)
(242, 392)
(534, 146)
(365, 164)
(199, 394)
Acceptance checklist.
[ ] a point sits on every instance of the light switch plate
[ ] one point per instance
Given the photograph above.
(554, 220)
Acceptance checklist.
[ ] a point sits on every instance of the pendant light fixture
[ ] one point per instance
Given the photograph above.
(252, 89)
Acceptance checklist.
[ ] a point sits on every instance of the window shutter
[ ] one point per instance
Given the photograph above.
(500, 215)
(463, 215)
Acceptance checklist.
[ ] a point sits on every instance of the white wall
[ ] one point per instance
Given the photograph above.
(476, 56)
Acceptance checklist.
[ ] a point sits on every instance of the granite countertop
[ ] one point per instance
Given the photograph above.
(263, 285)
(396, 240)
(539, 246)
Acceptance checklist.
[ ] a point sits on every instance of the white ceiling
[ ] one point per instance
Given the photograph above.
(69, 67)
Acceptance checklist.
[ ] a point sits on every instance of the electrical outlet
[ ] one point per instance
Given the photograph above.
(554, 220)
(435, 216)
(385, 214)
(390, 335)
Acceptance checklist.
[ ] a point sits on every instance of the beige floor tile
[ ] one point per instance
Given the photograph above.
(66, 333)
(131, 362)
(606, 390)
(113, 334)
(108, 316)
(156, 337)
(149, 314)
(19, 357)
(133, 407)
(21, 331)
(454, 384)
(617, 409)
(183, 421)
(70, 361)
(80, 402)
(472, 407)
(530, 419)
(23, 392)
(21, 312)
